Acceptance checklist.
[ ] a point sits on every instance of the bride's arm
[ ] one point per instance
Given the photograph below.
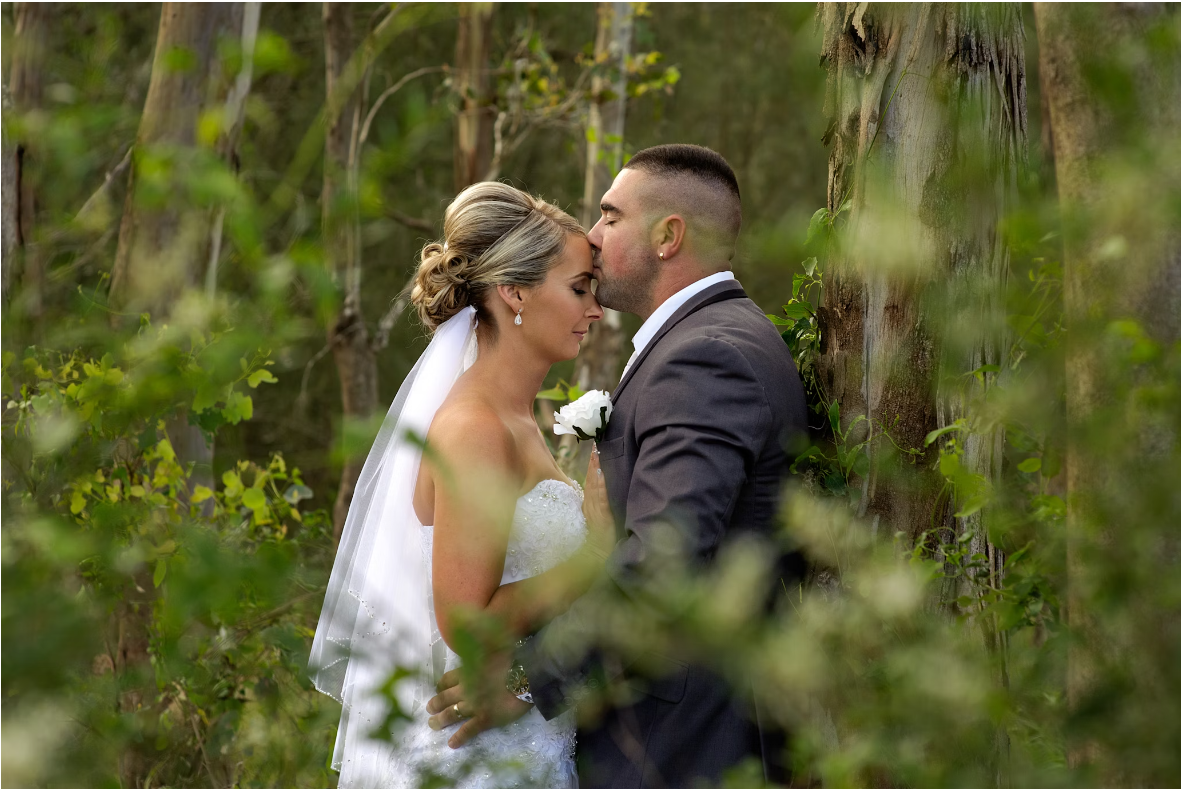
(473, 483)
(473, 519)
(525, 606)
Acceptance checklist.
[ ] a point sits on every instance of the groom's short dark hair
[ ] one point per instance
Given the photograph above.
(699, 184)
(681, 159)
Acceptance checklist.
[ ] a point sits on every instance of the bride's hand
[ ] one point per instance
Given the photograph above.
(600, 524)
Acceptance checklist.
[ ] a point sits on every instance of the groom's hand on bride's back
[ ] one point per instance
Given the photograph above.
(496, 707)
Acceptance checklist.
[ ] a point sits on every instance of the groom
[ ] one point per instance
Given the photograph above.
(708, 409)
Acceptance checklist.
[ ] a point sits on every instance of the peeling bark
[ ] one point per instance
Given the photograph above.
(927, 128)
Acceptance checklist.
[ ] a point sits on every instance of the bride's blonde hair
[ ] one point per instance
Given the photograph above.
(493, 234)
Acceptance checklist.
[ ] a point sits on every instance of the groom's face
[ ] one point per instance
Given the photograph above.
(624, 256)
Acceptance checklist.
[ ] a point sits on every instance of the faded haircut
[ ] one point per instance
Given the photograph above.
(696, 182)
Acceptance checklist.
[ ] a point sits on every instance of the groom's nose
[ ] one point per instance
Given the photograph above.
(595, 238)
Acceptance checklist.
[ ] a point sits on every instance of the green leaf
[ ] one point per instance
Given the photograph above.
(557, 394)
(206, 396)
(834, 417)
(259, 377)
(254, 499)
(797, 310)
(777, 321)
(161, 571)
(818, 225)
(979, 372)
(1030, 465)
(200, 494)
(934, 434)
(239, 407)
(233, 484)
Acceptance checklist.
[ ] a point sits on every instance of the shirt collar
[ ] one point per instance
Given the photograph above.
(673, 303)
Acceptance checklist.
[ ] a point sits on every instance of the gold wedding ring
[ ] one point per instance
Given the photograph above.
(455, 707)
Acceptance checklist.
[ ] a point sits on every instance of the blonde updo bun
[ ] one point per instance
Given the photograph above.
(493, 234)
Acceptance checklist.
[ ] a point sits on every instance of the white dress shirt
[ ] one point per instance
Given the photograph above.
(665, 311)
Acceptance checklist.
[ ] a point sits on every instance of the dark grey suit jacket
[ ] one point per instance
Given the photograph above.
(700, 440)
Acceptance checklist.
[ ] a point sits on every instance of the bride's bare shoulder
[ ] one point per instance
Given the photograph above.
(467, 422)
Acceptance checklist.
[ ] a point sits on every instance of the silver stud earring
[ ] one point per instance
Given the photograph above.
(517, 320)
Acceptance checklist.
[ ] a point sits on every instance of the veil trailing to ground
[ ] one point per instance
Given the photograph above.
(378, 620)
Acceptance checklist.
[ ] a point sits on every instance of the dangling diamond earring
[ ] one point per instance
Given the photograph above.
(517, 320)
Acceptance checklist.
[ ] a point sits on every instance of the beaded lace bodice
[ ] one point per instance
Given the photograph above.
(548, 527)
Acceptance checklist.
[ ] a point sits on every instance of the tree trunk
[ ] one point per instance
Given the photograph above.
(927, 112)
(356, 362)
(599, 362)
(926, 105)
(10, 219)
(227, 144)
(22, 261)
(1110, 450)
(473, 82)
(163, 252)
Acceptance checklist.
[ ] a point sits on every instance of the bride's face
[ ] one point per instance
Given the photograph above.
(557, 313)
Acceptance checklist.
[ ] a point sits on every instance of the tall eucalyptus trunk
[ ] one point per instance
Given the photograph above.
(1122, 263)
(927, 128)
(163, 252)
(476, 116)
(348, 335)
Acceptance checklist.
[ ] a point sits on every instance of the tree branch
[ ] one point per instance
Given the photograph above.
(301, 399)
(390, 91)
(115, 172)
(382, 337)
(414, 223)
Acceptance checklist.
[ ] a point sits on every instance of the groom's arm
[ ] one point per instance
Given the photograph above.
(701, 422)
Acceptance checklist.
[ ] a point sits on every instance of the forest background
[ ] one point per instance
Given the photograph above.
(971, 212)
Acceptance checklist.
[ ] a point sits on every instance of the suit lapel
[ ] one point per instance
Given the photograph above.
(722, 291)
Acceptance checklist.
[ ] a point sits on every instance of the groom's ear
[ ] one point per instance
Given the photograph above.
(668, 235)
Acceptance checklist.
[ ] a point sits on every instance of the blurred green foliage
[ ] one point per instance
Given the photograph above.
(903, 663)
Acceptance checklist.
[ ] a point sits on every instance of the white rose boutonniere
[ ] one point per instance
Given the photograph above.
(586, 417)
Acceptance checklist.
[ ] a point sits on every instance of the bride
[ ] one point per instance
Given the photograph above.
(487, 539)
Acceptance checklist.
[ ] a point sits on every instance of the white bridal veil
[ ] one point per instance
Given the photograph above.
(378, 613)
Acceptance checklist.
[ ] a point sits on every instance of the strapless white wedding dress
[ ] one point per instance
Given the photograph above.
(548, 527)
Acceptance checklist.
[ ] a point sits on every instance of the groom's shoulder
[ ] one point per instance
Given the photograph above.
(738, 321)
(733, 329)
